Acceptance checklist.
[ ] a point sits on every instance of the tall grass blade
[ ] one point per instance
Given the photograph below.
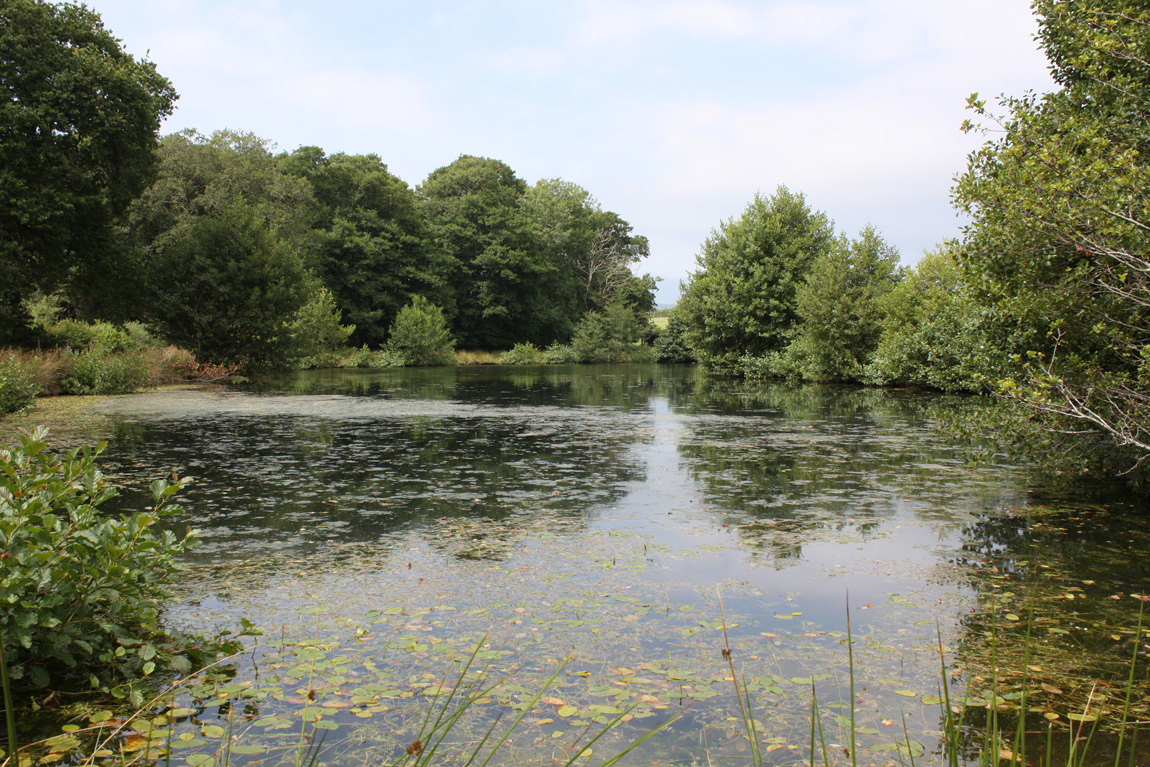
(9, 706)
(744, 698)
(1129, 690)
(851, 670)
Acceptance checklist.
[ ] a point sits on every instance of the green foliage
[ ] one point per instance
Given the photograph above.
(78, 127)
(590, 252)
(316, 335)
(473, 208)
(934, 334)
(420, 336)
(560, 354)
(80, 591)
(522, 354)
(18, 387)
(1060, 227)
(743, 297)
(215, 243)
(372, 247)
(608, 336)
(97, 370)
(391, 358)
(230, 289)
(839, 307)
(359, 358)
(671, 344)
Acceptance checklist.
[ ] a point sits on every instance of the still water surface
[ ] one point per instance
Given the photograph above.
(634, 521)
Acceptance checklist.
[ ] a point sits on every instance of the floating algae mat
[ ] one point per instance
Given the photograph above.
(629, 549)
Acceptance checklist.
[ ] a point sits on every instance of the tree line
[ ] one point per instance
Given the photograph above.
(241, 254)
(1045, 301)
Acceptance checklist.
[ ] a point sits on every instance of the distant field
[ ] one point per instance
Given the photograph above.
(660, 321)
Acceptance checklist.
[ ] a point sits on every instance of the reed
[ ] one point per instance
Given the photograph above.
(463, 357)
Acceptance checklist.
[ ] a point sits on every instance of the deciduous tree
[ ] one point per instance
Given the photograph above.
(742, 299)
(1059, 241)
(79, 118)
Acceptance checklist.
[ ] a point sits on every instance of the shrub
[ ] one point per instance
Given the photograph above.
(81, 591)
(316, 336)
(641, 354)
(18, 386)
(359, 358)
(670, 345)
(522, 354)
(387, 358)
(560, 354)
(420, 335)
(99, 372)
(607, 336)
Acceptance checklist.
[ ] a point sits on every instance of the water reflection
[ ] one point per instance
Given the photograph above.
(600, 511)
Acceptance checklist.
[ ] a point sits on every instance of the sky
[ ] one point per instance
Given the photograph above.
(672, 113)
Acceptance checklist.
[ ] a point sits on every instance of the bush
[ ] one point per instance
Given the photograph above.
(641, 354)
(560, 354)
(18, 387)
(359, 358)
(81, 591)
(316, 336)
(387, 358)
(99, 372)
(420, 336)
(607, 336)
(522, 354)
(670, 345)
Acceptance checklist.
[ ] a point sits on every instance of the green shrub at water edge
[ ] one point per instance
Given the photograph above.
(81, 591)
(97, 371)
(18, 387)
(522, 354)
(560, 354)
(420, 335)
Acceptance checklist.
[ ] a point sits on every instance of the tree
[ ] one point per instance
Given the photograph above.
(932, 332)
(742, 300)
(473, 207)
(609, 335)
(78, 126)
(420, 335)
(372, 247)
(230, 288)
(215, 243)
(592, 250)
(1059, 241)
(840, 308)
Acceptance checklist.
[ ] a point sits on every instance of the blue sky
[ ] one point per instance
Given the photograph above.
(672, 113)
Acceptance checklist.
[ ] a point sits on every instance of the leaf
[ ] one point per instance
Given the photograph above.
(906, 693)
(566, 711)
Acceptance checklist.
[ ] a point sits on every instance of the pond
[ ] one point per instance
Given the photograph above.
(631, 545)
